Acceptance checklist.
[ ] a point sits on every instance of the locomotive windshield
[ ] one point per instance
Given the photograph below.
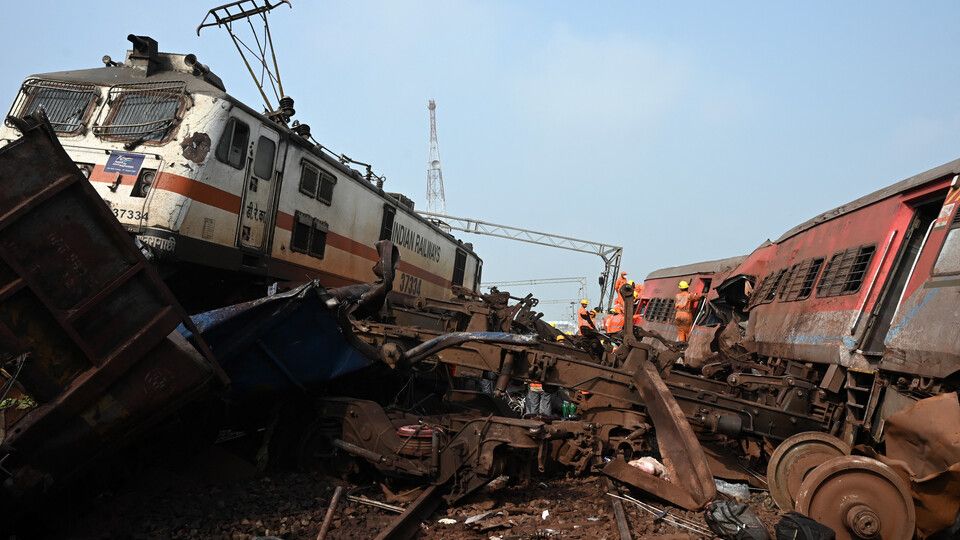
(66, 105)
(141, 112)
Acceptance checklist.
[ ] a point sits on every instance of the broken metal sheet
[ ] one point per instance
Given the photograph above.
(923, 446)
(285, 342)
(690, 483)
(88, 317)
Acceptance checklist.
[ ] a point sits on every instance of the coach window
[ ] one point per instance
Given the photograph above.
(263, 162)
(948, 262)
(309, 176)
(845, 272)
(325, 193)
(232, 148)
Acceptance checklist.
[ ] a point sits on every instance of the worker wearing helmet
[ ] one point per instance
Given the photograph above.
(617, 299)
(584, 317)
(684, 303)
(614, 321)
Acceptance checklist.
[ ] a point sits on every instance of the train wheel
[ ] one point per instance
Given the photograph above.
(859, 498)
(793, 460)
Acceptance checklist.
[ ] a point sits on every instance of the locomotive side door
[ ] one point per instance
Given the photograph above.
(256, 212)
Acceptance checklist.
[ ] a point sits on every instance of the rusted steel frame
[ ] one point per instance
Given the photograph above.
(691, 388)
(29, 130)
(620, 517)
(100, 369)
(692, 485)
(454, 339)
(328, 517)
(407, 524)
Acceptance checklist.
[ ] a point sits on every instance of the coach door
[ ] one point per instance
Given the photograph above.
(257, 210)
(914, 239)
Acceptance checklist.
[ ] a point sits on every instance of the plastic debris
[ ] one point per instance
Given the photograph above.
(446, 521)
(648, 465)
(545, 514)
(739, 492)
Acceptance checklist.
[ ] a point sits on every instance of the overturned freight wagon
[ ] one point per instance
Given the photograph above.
(89, 351)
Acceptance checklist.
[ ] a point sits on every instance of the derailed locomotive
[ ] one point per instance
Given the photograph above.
(229, 200)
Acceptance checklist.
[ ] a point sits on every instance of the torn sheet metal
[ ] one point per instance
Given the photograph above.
(923, 446)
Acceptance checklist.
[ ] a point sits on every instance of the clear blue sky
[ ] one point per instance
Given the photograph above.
(682, 132)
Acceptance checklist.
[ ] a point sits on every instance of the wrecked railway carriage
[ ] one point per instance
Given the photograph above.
(838, 326)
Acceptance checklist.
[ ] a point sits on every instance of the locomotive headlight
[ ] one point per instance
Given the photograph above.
(86, 169)
(144, 181)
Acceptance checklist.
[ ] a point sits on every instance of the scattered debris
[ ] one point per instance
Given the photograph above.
(649, 465)
(734, 521)
(375, 504)
(334, 501)
(739, 492)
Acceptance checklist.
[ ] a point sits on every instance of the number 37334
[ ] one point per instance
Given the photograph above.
(410, 285)
(123, 213)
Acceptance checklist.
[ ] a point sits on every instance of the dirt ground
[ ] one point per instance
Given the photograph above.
(291, 505)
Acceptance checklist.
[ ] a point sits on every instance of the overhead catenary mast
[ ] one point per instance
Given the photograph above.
(436, 200)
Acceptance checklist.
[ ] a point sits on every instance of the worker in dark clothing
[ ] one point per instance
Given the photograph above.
(539, 400)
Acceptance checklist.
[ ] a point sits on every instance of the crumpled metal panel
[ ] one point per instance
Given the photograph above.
(923, 446)
(87, 315)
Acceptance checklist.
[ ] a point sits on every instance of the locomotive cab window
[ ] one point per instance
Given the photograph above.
(141, 112)
(66, 105)
(232, 148)
(948, 262)
(263, 160)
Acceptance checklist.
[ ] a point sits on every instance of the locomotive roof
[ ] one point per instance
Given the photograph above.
(172, 67)
(705, 267)
(950, 168)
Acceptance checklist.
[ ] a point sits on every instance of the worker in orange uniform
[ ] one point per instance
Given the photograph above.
(614, 321)
(684, 303)
(584, 317)
(617, 299)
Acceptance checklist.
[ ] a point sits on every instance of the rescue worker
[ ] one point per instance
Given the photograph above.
(617, 299)
(539, 400)
(584, 317)
(614, 321)
(684, 303)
